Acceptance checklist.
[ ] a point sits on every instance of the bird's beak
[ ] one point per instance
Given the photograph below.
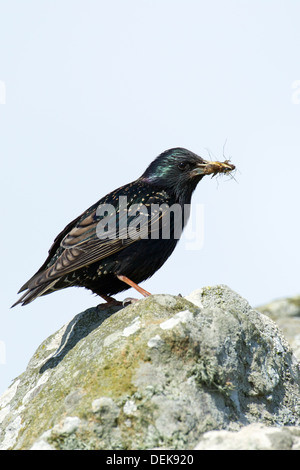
(212, 168)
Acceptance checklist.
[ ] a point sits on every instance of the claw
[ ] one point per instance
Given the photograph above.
(129, 301)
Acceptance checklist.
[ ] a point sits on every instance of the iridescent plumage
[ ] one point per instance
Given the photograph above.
(106, 266)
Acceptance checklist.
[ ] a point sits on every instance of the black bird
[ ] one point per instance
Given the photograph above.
(126, 236)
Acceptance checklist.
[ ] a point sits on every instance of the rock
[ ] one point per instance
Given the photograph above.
(158, 373)
(252, 437)
(286, 313)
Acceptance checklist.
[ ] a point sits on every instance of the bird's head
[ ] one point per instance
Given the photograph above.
(180, 170)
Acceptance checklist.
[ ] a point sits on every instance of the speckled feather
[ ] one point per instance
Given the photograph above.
(78, 257)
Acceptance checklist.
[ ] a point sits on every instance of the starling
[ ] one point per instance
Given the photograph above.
(126, 236)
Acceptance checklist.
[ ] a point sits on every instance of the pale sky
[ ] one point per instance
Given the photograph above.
(92, 91)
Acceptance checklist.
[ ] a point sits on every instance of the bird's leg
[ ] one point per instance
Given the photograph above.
(134, 285)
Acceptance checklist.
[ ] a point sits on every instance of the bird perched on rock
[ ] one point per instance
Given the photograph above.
(126, 236)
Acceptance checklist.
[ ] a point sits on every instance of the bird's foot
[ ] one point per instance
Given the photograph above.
(129, 301)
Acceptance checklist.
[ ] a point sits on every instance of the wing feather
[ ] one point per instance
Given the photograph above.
(79, 245)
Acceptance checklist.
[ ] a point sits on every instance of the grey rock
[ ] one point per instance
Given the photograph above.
(286, 313)
(158, 373)
(252, 437)
(286, 307)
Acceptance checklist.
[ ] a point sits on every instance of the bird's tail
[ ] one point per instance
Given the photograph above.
(35, 292)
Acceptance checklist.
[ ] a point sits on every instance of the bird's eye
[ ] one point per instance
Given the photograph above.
(184, 166)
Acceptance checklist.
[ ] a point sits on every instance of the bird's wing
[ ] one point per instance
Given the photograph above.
(80, 245)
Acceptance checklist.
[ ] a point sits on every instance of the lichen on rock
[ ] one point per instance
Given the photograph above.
(157, 373)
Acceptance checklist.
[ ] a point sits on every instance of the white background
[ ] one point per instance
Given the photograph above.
(95, 90)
